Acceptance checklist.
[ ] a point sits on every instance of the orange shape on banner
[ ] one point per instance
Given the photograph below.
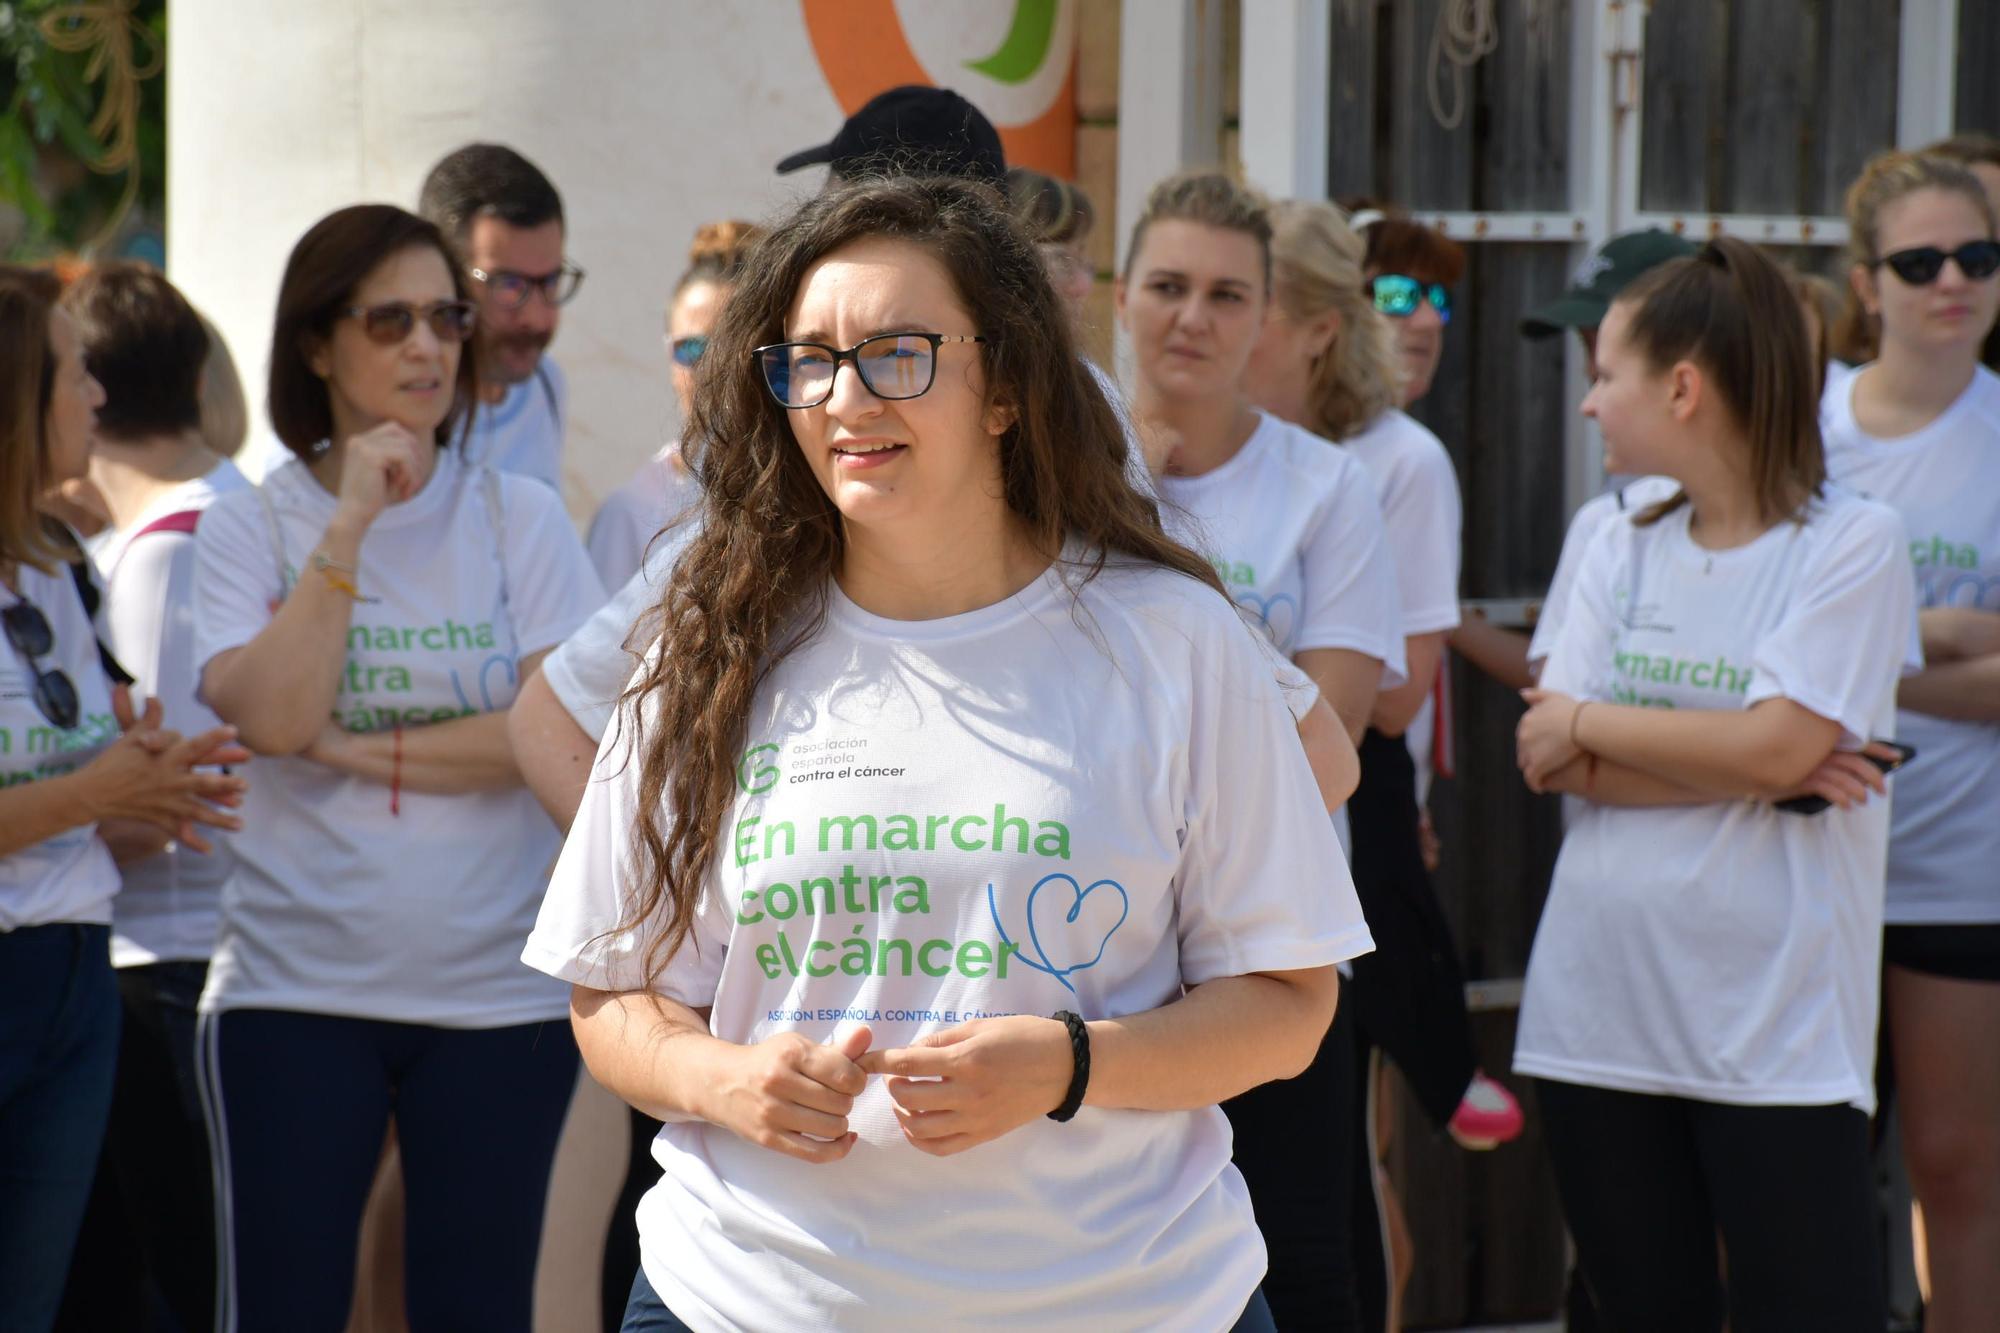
(862, 51)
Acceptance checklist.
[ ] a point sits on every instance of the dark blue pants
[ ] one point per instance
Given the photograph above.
(298, 1106)
(645, 1312)
(58, 1049)
(145, 1261)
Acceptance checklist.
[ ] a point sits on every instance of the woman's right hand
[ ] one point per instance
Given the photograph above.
(381, 466)
(792, 1095)
(1846, 778)
(151, 777)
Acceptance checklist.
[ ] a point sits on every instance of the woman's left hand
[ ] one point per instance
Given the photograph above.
(970, 1084)
(1542, 741)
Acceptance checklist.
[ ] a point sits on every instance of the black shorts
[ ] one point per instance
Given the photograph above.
(1968, 953)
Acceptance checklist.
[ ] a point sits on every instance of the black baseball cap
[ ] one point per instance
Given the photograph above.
(913, 128)
(1601, 277)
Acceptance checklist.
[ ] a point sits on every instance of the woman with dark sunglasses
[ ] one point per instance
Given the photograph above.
(365, 617)
(970, 1075)
(69, 785)
(663, 489)
(1919, 428)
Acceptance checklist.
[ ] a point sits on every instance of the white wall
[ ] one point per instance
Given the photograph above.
(651, 116)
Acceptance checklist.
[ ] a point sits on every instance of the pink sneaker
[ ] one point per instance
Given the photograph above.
(1487, 1117)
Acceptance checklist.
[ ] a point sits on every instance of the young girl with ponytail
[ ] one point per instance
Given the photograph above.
(1701, 999)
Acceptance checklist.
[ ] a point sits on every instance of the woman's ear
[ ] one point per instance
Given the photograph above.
(1118, 299)
(1000, 416)
(1867, 289)
(318, 357)
(1322, 333)
(1685, 387)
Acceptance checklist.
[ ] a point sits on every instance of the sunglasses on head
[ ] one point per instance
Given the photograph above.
(55, 694)
(892, 366)
(392, 321)
(1920, 266)
(687, 351)
(1399, 295)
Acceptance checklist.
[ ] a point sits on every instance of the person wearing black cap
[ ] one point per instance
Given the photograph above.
(914, 130)
(1509, 657)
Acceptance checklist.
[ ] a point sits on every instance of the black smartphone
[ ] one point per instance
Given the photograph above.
(1812, 805)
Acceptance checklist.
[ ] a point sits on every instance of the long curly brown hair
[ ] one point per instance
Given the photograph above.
(752, 585)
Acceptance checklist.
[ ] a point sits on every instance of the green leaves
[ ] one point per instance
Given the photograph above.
(53, 166)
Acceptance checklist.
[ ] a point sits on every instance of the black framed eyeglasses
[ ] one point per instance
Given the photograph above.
(1399, 295)
(687, 351)
(1977, 260)
(55, 693)
(892, 366)
(392, 321)
(510, 290)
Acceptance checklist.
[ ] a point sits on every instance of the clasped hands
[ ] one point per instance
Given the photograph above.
(952, 1090)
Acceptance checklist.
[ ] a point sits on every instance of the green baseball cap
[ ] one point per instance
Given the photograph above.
(1601, 277)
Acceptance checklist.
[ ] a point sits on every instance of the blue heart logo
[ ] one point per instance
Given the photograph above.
(1069, 922)
(1279, 614)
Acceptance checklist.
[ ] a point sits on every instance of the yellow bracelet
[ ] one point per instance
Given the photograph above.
(342, 583)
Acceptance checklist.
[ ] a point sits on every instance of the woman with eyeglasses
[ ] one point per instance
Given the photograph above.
(1293, 529)
(663, 489)
(72, 789)
(1919, 428)
(364, 617)
(960, 857)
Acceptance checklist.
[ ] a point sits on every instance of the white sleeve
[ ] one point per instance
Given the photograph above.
(1581, 529)
(149, 620)
(1301, 691)
(237, 584)
(577, 937)
(1581, 645)
(551, 587)
(590, 669)
(1840, 648)
(1262, 884)
(618, 536)
(1421, 510)
(1349, 577)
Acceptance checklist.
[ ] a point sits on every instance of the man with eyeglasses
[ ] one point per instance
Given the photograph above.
(506, 220)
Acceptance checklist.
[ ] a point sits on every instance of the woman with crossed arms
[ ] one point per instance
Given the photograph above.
(1701, 998)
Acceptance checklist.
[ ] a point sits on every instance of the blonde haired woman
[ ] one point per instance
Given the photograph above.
(1328, 360)
(1292, 526)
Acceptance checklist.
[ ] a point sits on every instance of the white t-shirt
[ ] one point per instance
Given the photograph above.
(166, 909)
(661, 491)
(69, 877)
(523, 432)
(336, 905)
(1944, 480)
(1418, 490)
(1592, 515)
(1292, 525)
(589, 670)
(911, 790)
(1726, 952)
